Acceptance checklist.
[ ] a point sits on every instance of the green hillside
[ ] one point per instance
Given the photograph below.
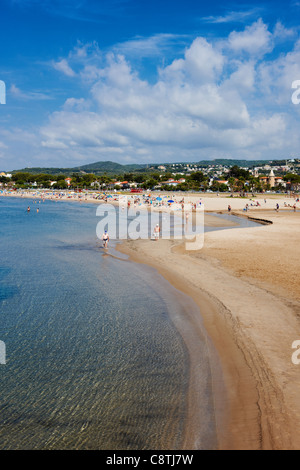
(96, 168)
(112, 168)
(108, 167)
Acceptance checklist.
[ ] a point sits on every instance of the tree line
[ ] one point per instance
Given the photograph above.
(237, 180)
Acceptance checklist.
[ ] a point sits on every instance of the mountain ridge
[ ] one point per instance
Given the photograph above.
(109, 167)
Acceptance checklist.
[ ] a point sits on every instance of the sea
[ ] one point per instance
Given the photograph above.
(94, 355)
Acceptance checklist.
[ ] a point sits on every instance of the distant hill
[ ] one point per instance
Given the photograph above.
(225, 162)
(96, 168)
(47, 171)
(232, 162)
(109, 167)
(112, 168)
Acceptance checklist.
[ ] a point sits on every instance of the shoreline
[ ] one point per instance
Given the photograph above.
(251, 315)
(191, 328)
(225, 363)
(252, 325)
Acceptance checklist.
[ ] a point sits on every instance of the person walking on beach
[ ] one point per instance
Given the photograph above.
(277, 207)
(229, 209)
(156, 232)
(105, 239)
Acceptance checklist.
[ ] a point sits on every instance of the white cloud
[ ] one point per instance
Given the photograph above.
(255, 39)
(26, 96)
(242, 78)
(276, 77)
(202, 63)
(232, 16)
(282, 33)
(63, 66)
(153, 46)
(76, 104)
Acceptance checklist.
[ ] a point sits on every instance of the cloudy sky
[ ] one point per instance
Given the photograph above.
(137, 81)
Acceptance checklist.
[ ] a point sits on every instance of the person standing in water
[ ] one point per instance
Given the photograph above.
(105, 239)
(28, 209)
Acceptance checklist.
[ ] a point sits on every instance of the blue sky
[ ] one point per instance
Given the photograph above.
(140, 82)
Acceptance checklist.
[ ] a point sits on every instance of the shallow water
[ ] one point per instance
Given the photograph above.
(94, 360)
(242, 222)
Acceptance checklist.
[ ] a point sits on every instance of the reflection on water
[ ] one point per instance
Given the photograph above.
(93, 358)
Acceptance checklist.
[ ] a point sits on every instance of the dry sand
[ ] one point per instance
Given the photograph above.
(245, 281)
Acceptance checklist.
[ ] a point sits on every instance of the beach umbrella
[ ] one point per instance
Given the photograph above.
(159, 199)
(170, 200)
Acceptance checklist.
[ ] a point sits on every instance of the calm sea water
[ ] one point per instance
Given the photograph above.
(94, 360)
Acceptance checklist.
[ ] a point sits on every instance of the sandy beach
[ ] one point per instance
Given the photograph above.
(245, 283)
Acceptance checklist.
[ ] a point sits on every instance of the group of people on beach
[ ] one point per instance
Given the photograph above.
(293, 207)
(257, 204)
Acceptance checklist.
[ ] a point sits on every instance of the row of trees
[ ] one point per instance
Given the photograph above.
(43, 180)
(238, 180)
(78, 180)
